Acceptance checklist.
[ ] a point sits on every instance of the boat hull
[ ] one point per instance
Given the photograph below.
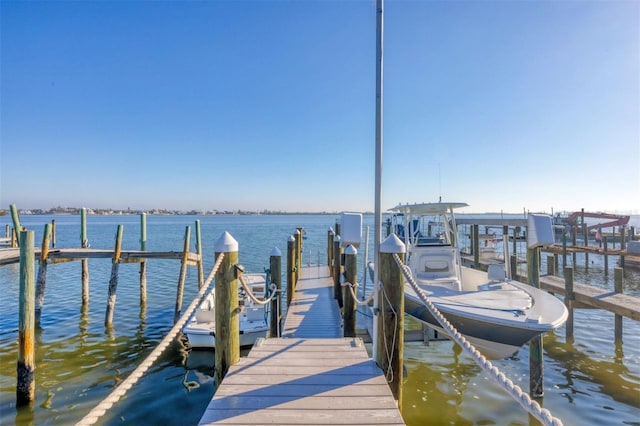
(200, 336)
(495, 341)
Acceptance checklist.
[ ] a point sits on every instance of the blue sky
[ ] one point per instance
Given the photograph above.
(505, 105)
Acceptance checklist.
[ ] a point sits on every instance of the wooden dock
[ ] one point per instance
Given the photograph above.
(310, 376)
(12, 255)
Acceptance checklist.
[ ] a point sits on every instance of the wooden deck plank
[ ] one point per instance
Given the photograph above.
(303, 417)
(311, 376)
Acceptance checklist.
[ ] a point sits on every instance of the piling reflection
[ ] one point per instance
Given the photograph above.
(611, 376)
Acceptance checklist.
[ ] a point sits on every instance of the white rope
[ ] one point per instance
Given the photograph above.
(352, 288)
(253, 297)
(99, 411)
(542, 414)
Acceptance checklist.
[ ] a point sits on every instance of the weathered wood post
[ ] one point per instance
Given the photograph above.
(536, 365)
(16, 222)
(513, 259)
(227, 331)
(351, 274)
(53, 233)
(623, 243)
(291, 246)
(25, 388)
(390, 315)
(551, 265)
(569, 301)
(84, 243)
(337, 269)
(606, 256)
(42, 272)
(475, 245)
(564, 248)
(574, 242)
(275, 266)
(618, 277)
(143, 263)
(113, 281)
(183, 274)
(199, 251)
(330, 236)
(298, 236)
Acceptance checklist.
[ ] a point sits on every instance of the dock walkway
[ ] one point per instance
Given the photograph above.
(310, 376)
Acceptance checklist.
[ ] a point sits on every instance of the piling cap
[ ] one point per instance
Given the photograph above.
(336, 238)
(276, 252)
(350, 250)
(392, 244)
(331, 230)
(291, 238)
(226, 244)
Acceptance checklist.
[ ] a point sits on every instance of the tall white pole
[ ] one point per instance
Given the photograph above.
(378, 210)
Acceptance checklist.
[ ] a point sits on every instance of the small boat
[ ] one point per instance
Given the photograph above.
(497, 315)
(201, 327)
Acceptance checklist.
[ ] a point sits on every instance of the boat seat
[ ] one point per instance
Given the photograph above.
(205, 315)
(437, 264)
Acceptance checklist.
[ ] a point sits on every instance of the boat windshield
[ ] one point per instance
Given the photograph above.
(425, 230)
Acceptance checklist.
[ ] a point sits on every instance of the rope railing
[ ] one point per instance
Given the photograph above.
(249, 291)
(100, 410)
(542, 414)
(352, 288)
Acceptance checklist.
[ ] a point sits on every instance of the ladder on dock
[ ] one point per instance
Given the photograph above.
(310, 376)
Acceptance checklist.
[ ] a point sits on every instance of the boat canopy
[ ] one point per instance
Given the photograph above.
(421, 209)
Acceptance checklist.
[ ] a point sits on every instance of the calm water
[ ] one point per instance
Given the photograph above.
(78, 361)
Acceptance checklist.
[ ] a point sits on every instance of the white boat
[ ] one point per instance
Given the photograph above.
(497, 315)
(201, 327)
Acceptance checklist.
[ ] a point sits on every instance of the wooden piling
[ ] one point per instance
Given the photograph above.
(390, 316)
(513, 259)
(199, 251)
(551, 265)
(25, 388)
(298, 237)
(536, 364)
(275, 266)
(183, 275)
(349, 303)
(330, 236)
(84, 243)
(227, 309)
(569, 301)
(606, 256)
(113, 281)
(143, 263)
(475, 245)
(41, 281)
(16, 222)
(53, 233)
(564, 248)
(618, 277)
(291, 244)
(337, 270)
